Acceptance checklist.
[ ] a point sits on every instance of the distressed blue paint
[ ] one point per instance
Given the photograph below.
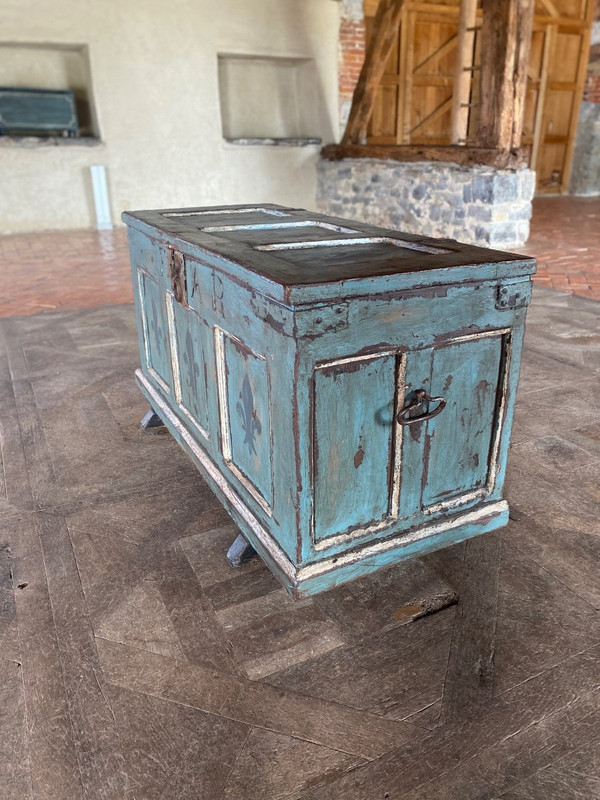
(156, 328)
(193, 342)
(310, 347)
(353, 444)
(418, 376)
(248, 402)
(459, 441)
(199, 286)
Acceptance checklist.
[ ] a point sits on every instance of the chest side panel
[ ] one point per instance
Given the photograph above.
(193, 356)
(156, 329)
(244, 402)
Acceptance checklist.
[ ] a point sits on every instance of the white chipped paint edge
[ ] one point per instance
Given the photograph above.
(401, 243)
(494, 461)
(493, 464)
(293, 574)
(173, 346)
(163, 385)
(398, 435)
(266, 540)
(269, 226)
(140, 278)
(394, 506)
(219, 335)
(176, 369)
(400, 541)
(337, 362)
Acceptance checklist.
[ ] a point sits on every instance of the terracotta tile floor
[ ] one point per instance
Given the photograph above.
(82, 269)
(63, 271)
(565, 238)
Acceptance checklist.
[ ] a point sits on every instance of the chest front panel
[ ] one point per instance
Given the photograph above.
(383, 456)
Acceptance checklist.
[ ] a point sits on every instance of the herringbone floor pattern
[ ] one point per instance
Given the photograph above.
(134, 663)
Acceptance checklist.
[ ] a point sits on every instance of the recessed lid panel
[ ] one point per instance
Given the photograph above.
(217, 217)
(263, 235)
(344, 253)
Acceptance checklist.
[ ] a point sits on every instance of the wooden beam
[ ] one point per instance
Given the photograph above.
(550, 8)
(525, 12)
(437, 55)
(384, 32)
(578, 95)
(408, 26)
(541, 94)
(505, 42)
(463, 71)
(469, 156)
(435, 114)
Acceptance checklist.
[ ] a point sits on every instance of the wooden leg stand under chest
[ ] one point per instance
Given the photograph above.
(346, 391)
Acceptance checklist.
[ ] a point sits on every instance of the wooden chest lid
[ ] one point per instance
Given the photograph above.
(298, 256)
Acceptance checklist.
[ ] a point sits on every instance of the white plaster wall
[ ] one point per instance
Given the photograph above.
(155, 82)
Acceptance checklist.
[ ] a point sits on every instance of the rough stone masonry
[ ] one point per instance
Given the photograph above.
(478, 205)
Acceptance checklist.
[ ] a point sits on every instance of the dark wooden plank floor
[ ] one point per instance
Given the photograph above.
(134, 663)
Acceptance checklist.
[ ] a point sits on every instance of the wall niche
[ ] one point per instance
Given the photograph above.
(270, 100)
(52, 66)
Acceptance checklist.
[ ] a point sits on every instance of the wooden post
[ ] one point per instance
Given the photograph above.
(525, 12)
(385, 30)
(549, 36)
(463, 71)
(505, 42)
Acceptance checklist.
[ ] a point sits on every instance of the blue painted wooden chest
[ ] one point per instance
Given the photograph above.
(347, 391)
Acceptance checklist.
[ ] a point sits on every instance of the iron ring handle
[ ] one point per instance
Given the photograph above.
(420, 395)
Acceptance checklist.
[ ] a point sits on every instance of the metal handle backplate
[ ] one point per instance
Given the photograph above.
(420, 396)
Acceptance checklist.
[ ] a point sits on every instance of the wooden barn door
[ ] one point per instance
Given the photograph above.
(557, 68)
(414, 101)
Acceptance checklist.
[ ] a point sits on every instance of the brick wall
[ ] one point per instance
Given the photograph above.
(351, 54)
(591, 92)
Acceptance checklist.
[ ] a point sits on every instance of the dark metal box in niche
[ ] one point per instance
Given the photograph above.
(38, 112)
(346, 391)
